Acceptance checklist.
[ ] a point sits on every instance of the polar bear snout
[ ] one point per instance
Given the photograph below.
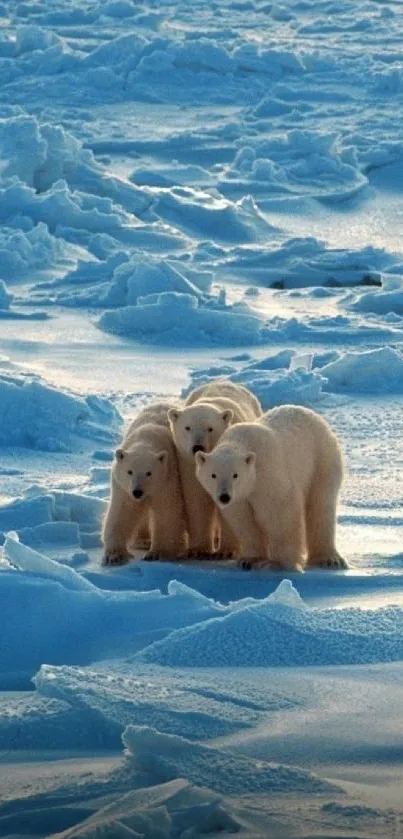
(138, 493)
(198, 448)
(224, 498)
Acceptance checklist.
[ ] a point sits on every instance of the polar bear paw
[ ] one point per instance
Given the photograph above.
(333, 560)
(159, 556)
(224, 554)
(116, 556)
(249, 562)
(199, 553)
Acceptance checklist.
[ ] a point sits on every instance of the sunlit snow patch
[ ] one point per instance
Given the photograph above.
(35, 415)
(281, 632)
(172, 318)
(158, 757)
(370, 371)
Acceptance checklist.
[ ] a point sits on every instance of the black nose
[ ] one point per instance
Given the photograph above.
(138, 493)
(197, 448)
(225, 498)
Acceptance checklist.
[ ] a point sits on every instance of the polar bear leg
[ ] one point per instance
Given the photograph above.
(283, 525)
(228, 543)
(121, 524)
(199, 509)
(321, 522)
(240, 520)
(143, 538)
(168, 529)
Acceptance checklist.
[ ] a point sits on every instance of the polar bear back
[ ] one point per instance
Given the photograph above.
(289, 441)
(154, 414)
(222, 392)
(300, 430)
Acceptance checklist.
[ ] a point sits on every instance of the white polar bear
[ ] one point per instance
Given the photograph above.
(276, 482)
(146, 491)
(208, 412)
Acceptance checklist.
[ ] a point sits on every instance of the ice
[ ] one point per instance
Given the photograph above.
(172, 318)
(372, 371)
(390, 299)
(157, 757)
(187, 191)
(29, 248)
(311, 164)
(25, 559)
(83, 622)
(34, 415)
(5, 296)
(277, 632)
(174, 808)
(276, 380)
(182, 703)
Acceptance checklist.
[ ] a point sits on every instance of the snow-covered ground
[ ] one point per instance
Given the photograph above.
(190, 190)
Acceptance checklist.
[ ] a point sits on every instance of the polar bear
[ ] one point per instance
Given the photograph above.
(208, 412)
(276, 482)
(145, 491)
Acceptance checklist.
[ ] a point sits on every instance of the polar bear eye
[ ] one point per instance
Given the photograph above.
(210, 430)
(187, 427)
(213, 475)
(235, 475)
(148, 474)
(130, 471)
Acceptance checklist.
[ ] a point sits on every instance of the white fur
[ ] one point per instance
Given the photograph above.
(276, 482)
(208, 412)
(146, 464)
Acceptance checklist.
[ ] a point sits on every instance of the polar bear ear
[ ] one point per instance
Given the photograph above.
(227, 416)
(162, 457)
(173, 414)
(119, 454)
(200, 458)
(250, 459)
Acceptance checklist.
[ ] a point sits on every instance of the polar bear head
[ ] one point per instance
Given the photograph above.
(227, 474)
(198, 427)
(140, 471)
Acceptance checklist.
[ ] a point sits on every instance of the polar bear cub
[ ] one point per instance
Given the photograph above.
(145, 490)
(197, 427)
(276, 483)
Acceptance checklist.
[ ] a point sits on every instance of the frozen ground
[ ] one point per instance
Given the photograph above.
(186, 191)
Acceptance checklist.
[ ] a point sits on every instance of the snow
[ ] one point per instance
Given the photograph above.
(35, 415)
(189, 191)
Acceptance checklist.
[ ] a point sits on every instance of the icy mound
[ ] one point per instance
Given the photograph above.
(142, 275)
(34, 415)
(58, 519)
(32, 247)
(119, 281)
(278, 632)
(41, 155)
(169, 810)
(158, 758)
(285, 378)
(193, 704)
(306, 262)
(53, 191)
(301, 162)
(42, 723)
(172, 318)
(372, 371)
(210, 216)
(385, 302)
(83, 623)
